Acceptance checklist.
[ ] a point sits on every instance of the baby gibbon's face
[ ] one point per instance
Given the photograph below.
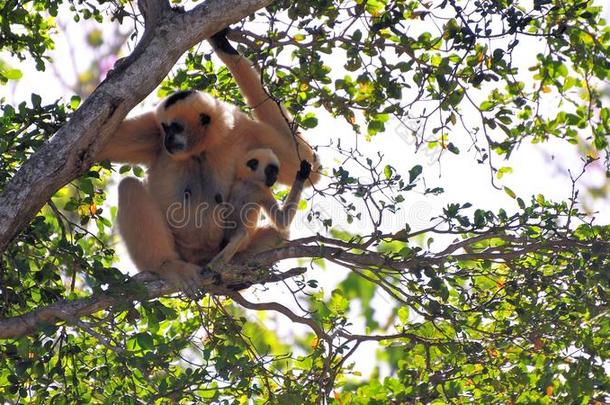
(191, 122)
(260, 165)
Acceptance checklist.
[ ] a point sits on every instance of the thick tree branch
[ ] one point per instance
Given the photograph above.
(144, 286)
(254, 270)
(69, 153)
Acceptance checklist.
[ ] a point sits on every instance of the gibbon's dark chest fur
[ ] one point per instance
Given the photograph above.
(200, 185)
(243, 205)
(189, 194)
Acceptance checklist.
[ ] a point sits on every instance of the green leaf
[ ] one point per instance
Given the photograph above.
(486, 106)
(338, 303)
(387, 171)
(453, 149)
(12, 74)
(138, 171)
(414, 173)
(403, 314)
(503, 171)
(145, 341)
(309, 121)
(36, 100)
(74, 102)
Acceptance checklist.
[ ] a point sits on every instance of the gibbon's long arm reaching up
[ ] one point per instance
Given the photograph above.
(265, 109)
(292, 148)
(251, 193)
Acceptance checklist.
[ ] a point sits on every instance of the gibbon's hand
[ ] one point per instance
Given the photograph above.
(214, 267)
(304, 171)
(220, 42)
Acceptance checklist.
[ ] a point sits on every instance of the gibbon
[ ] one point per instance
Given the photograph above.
(171, 223)
(250, 193)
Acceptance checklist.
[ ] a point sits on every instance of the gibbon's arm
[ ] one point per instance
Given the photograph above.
(237, 243)
(249, 82)
(137, 140)
(282, 217)
(290, 149)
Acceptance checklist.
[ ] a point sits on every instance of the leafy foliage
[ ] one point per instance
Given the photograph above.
(513, 308)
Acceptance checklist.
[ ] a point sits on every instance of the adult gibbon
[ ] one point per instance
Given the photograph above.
(250, 193)
(190, 144)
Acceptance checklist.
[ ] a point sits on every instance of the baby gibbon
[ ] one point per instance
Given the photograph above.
(170, 223)
(250, 193)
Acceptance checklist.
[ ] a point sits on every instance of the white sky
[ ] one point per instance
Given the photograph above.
(537, 169)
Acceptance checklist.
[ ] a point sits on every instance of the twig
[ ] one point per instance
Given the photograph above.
(274, 306)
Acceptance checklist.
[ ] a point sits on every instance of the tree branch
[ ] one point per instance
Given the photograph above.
(69, 153)
(274, 306)
(255, 270)
(143, 286)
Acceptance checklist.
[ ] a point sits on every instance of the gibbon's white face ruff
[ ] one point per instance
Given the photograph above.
(192, 121)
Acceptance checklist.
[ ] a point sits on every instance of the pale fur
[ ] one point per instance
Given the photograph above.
(173, 249)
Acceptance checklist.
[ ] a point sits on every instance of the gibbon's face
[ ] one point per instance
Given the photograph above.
(260, 165)
(191, 122)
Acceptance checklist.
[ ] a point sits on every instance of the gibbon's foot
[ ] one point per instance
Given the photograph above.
(209, 273)
(304, 171)
(215, 266)
(221, 43)
(186, 276)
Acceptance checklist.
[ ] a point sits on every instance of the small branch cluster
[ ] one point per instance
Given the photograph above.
(357, 256)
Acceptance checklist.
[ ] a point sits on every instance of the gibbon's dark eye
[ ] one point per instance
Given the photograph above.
(252, 164)
(173, 128)
(271, 172)
(204, 119)
(176, 127)
(173, 140)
